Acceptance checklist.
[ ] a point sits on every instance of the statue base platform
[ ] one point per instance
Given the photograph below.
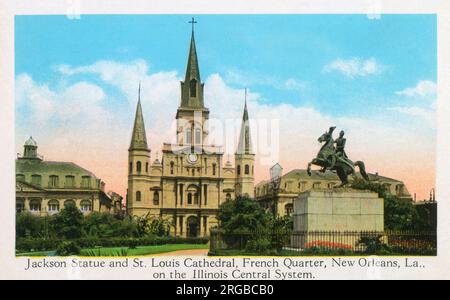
(337, 216)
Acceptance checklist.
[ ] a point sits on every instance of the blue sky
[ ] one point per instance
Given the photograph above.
(266, 47)
(77, 79)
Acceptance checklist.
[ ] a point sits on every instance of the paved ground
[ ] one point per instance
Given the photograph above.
(192, 252)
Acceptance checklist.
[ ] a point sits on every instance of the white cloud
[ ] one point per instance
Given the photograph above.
(414, 111)
(354, 67)
(281, 132)
(424, 88)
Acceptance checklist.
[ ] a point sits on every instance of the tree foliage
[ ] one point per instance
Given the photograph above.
(68, 223)
(243, 215)
(399, 214)
(150, 225)
(28, 225)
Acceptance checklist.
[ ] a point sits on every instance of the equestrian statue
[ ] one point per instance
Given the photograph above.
(334, 158)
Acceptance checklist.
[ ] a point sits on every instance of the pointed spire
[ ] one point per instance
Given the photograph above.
(139, 138)
(192, 69)
(245, 141)
(192, 86)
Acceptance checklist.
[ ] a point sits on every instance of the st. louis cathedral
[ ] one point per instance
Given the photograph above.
(190, 182)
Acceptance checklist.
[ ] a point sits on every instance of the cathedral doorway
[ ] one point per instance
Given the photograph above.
(192, 227)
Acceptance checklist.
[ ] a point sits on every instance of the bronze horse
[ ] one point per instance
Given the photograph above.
(329, 159)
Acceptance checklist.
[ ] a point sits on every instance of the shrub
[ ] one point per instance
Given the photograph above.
(150, 225)
(374, 245)
(260, 245)
(68, 248)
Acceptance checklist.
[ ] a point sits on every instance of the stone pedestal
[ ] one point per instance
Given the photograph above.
(336, 216)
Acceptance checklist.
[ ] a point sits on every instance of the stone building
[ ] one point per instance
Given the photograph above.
(45, 187)
(190, 182)
(279, 200)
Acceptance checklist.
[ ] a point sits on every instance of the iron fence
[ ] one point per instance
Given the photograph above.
(401, 242)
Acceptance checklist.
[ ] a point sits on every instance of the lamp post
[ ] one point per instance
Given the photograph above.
(433, 195)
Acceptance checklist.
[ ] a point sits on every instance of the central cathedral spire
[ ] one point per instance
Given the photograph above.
(192, 87)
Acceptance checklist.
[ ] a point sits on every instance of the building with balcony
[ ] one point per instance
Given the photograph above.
(45, 187)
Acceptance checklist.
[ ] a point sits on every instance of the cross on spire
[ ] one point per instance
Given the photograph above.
(193, 22)
(139, 92)
(245, 97)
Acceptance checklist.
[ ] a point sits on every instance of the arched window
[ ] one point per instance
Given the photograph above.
(198, 136)
(35, 205)
(138, 196)
(189, 136)
(68, 203)
(86, 206)
(20, 205)
(155, 198)
(146, 167)
(172, 167)
(53, 206)
(131, 167)
(247, 169)
(214, 167)
(138, 167)
(193, 87)
(228, 197)
(239, 170)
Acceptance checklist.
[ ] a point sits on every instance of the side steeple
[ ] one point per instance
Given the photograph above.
(245, 140)
(139, 138)
(192, 87)
(245, 159)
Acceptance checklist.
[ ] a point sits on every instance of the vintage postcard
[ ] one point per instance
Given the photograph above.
(161, 141)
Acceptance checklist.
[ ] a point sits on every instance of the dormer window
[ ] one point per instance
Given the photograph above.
(193, 88)
(53, 181)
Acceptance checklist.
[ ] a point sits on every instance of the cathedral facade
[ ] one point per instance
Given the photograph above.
(191, 180)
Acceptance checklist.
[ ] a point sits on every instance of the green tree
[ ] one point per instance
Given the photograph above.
(68, 223)
(399, 214)
(243, 215)
(150, 225)
(28, 225)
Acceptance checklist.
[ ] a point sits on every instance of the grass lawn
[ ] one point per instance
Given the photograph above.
(37, 253)
(141, 250)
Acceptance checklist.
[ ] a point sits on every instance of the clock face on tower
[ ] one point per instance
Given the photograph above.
(192, 158)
